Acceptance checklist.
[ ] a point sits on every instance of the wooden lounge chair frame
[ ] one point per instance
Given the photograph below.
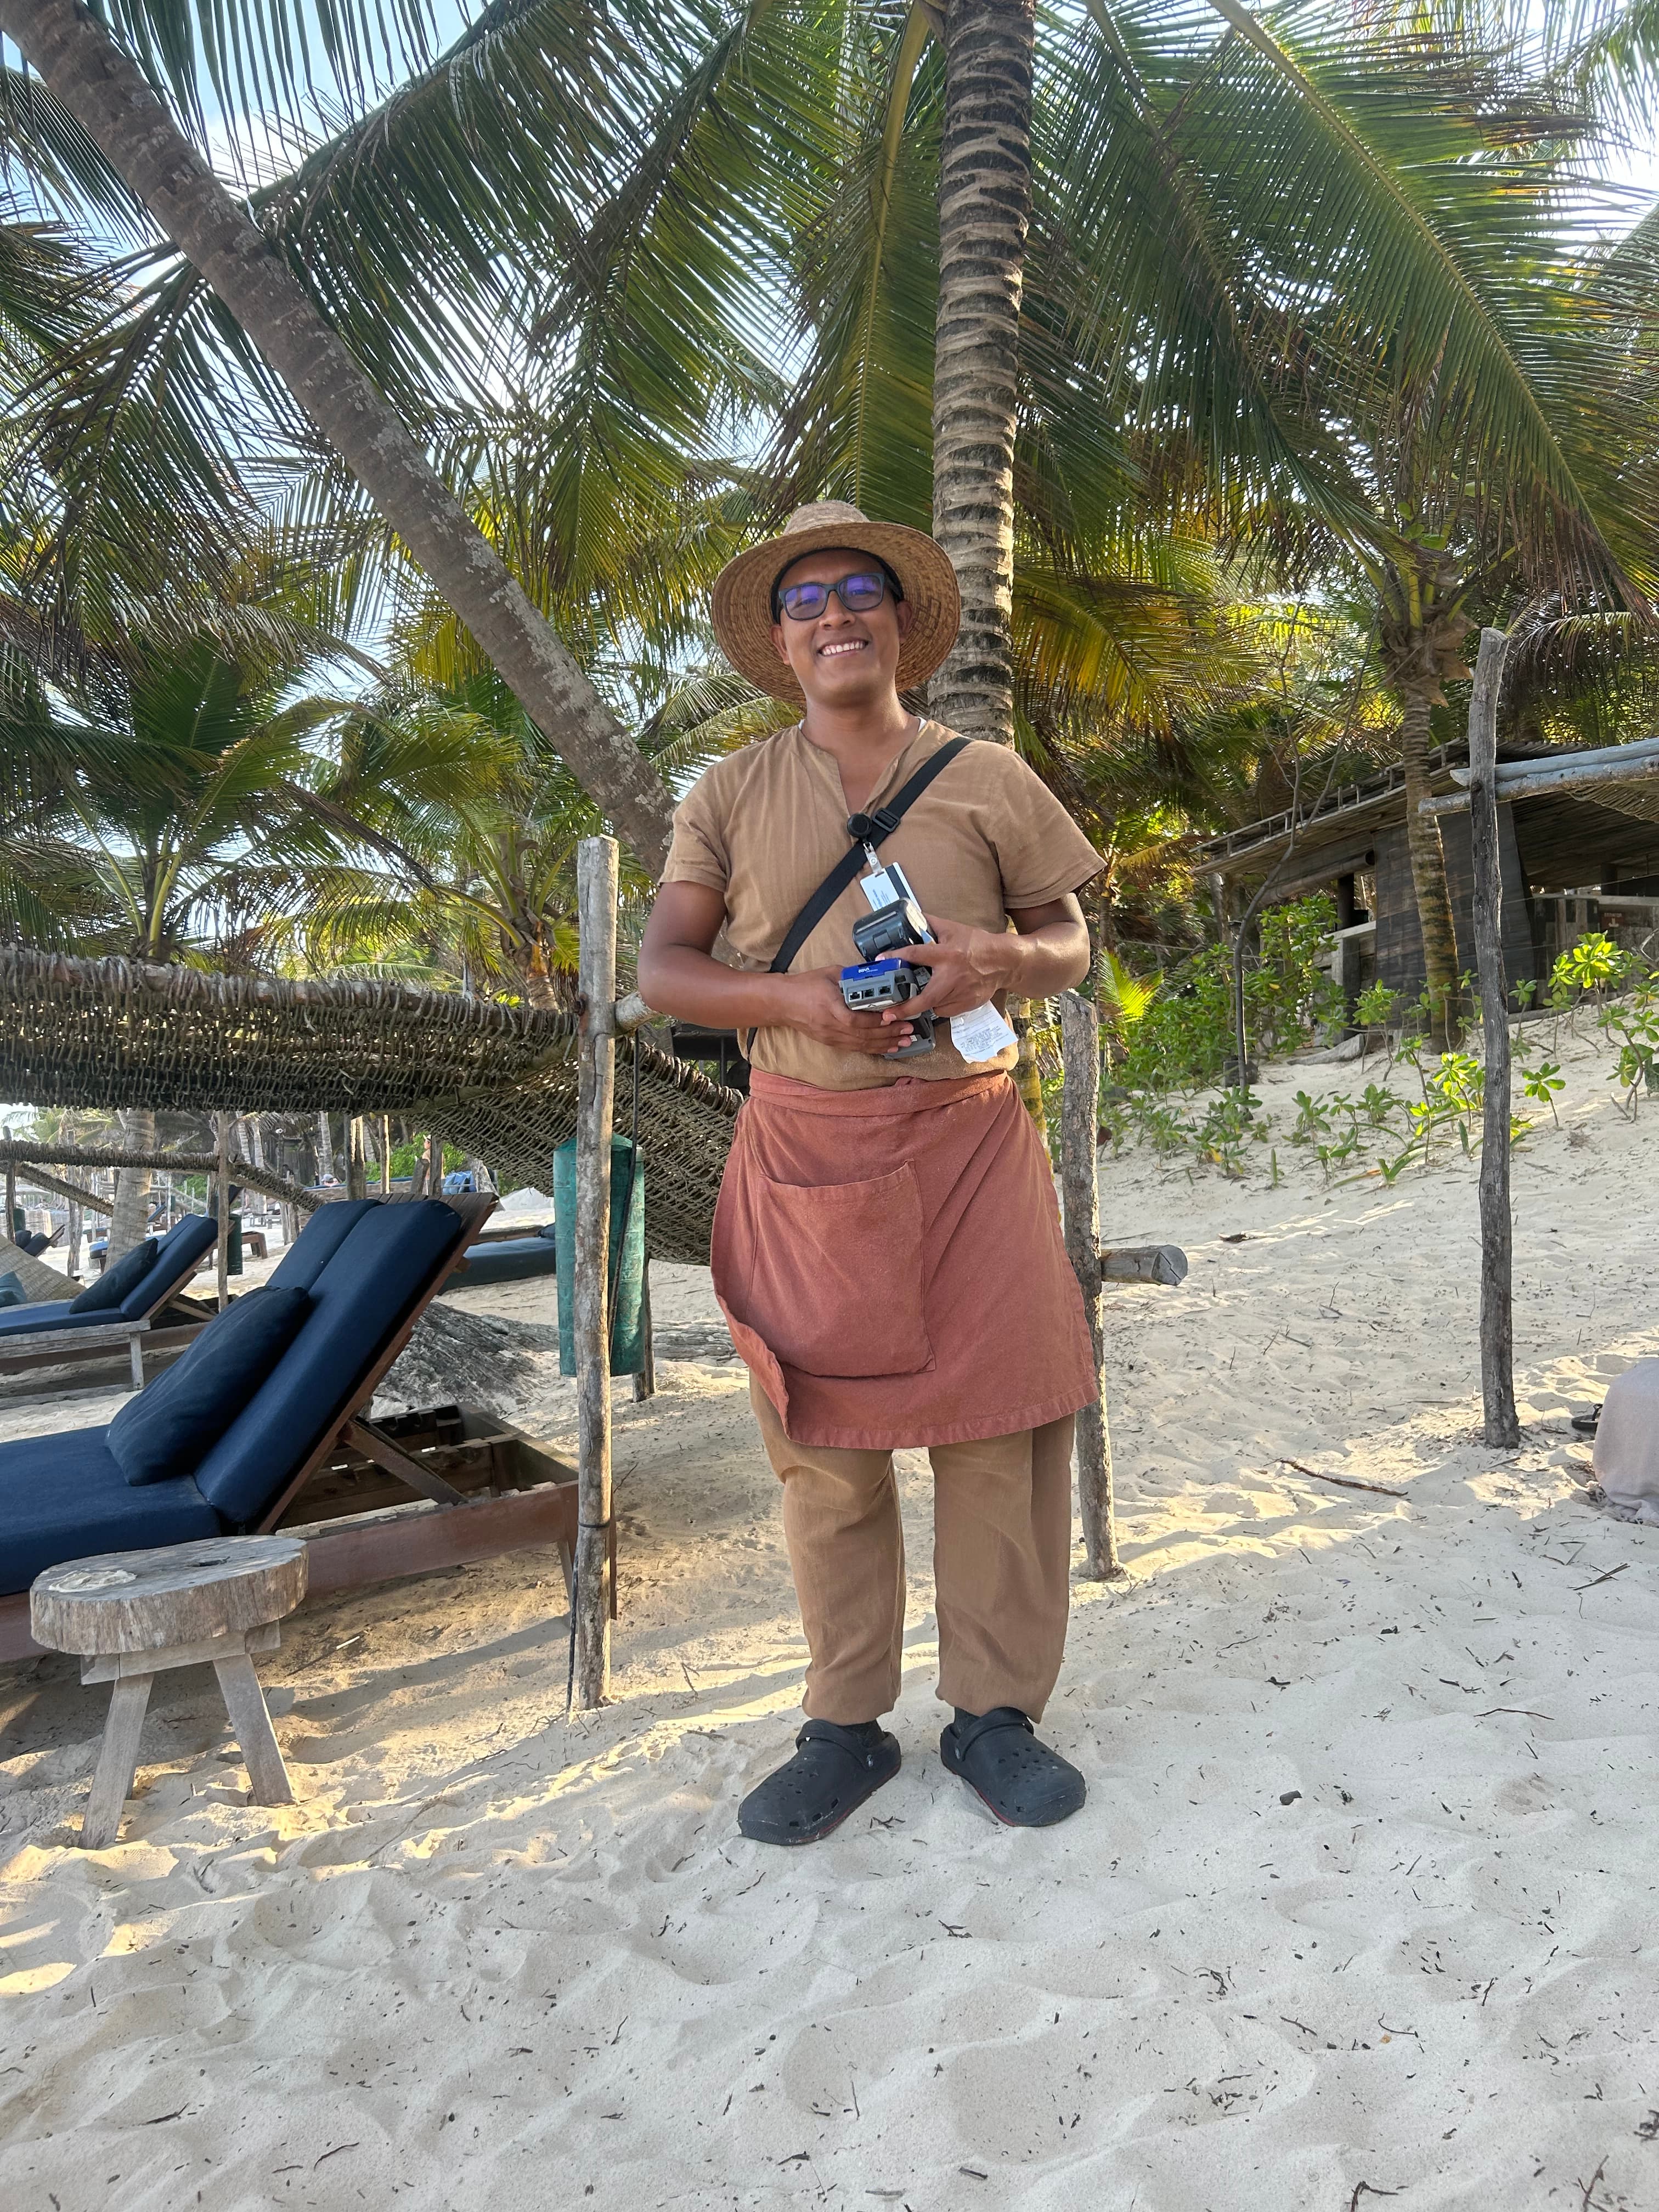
(63, 1348)
(403, 1496)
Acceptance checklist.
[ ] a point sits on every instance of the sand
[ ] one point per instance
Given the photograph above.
(1362, 1899)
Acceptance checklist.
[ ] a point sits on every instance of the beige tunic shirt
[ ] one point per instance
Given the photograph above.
(764, 826)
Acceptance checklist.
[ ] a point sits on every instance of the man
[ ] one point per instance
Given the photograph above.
(886, 1246)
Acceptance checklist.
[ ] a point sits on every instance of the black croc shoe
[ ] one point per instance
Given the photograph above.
(834, 1770)
(997, 1754)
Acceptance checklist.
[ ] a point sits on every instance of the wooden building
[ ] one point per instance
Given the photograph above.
(1573, 861)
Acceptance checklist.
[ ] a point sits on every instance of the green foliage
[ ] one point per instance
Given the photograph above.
(1374, 1007)
(1461, 1082)
(1593, 964)
(1185, 1033)
(1232, 1119)
(1301, 288)
(1631, 1023)
(1377, 1104)
(1124, 999)
(1542, 1080)
(405, 1158)
(1379, 1133)
(173, 771)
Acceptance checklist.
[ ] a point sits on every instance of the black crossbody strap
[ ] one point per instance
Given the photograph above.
(865, 829)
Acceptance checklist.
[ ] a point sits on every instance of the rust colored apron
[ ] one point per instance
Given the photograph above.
(891, 1266)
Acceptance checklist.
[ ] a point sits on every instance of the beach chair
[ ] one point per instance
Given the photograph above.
(509, 1259)
(373, 1499)
(123, 1310)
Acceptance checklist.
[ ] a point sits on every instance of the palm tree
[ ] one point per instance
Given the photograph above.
(103, 90)
(770, 78)
(1396, 353)
(175, 781)
(1246, 246)
(466, 826)
(984, 208)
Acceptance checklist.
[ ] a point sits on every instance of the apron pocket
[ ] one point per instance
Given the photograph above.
(834, 1285)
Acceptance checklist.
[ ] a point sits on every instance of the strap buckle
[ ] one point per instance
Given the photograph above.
(861, 827)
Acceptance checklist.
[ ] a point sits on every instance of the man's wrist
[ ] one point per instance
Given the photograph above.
(780, 1000)
(1010, 965)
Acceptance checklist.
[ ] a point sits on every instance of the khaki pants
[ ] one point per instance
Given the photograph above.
(1002, 1548)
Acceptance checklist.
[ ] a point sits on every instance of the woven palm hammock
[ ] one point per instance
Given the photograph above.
(497, 1081)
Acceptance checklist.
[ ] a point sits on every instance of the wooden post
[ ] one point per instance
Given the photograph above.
(1079, 1025)
(222, 1198)
(1503, 1425)
(645, 1383)
(386, 1155)
(11, 1201)
(596, 910)
(1028, 1079)
(357, 1175)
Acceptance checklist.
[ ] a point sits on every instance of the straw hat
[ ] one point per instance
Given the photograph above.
(742, 593)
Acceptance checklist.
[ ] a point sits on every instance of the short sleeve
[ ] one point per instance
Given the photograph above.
(697, 851)
(1041, 852)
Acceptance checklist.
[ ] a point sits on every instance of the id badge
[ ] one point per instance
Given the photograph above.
(885, 884)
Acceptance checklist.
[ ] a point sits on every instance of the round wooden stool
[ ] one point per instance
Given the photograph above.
(131, 1615)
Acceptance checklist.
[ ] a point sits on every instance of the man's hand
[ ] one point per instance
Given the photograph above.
(811, 1003)
(969, 966)
(1047, 951)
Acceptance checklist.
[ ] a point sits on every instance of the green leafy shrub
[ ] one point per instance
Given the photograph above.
(1631, 1023)
(1183, 1035)
(1374, 1008)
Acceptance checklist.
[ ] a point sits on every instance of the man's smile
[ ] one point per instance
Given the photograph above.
(839, 645)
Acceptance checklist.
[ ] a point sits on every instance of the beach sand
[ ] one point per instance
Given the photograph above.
(1362, 1899)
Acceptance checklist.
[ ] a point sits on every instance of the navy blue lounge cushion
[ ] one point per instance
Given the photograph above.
(318, 1242)
(113, 1285)
(391, 1254)
(64, 1497)
(164, 1431)
(510, 1259)
(55, 1313)
(176, 1261)
(11, 1291)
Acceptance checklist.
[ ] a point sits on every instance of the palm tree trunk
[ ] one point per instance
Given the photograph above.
(984, 208)
(984, 211)
(1428, 860)
(133, 1185)
(106, 94)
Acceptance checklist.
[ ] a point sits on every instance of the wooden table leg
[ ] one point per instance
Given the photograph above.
(137, 1353)
(245, 1701)
(117, 1761)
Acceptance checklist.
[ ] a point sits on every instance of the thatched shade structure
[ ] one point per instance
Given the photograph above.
(499, 1081)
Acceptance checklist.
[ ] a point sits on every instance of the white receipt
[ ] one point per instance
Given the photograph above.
(981, 1033)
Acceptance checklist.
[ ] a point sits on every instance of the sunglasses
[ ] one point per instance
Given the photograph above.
(857, 594)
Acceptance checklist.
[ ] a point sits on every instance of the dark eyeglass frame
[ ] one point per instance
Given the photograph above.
(881, 575)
